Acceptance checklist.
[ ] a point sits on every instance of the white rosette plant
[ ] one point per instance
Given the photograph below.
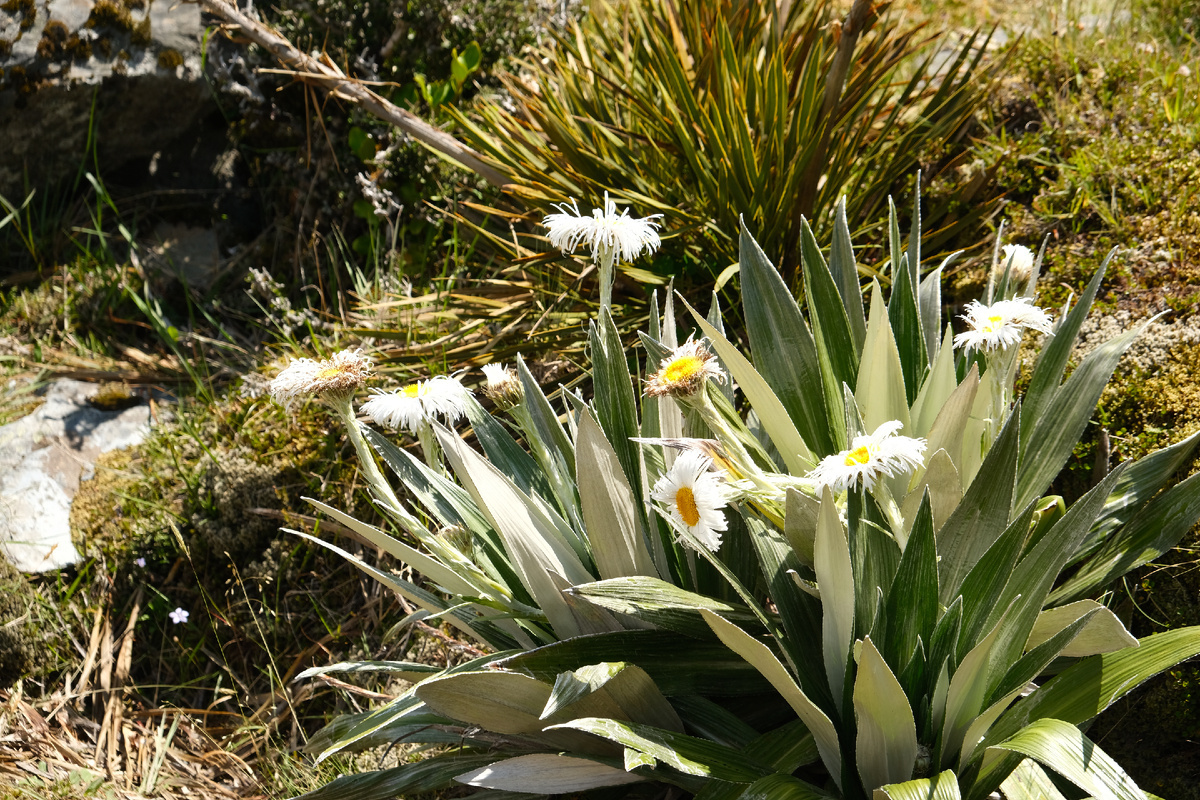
(849, 581)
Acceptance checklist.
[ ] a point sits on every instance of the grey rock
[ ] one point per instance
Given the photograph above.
(43, 458)
(139, 60)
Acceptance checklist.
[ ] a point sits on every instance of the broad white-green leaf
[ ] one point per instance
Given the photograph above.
(615, 401)
(936, 390)
(783, 787)
(1156, 528)
(782, 345)
(687, 754)
(886, 748)
(835, 579)
(1047, 443)
(951, 421)
(968, 689)
(800, 524)
(940, 479)
(979, 727)
(660, 603)
(432, 569)
(617, 690)
(1103, 632)
(1083, 690)
(421, 777)
(771, 412)
(930, 301)
(614, 530)
(1063, 748)
(1029, 782)
(532, 540)
(762, 659)
(501, 702)
(547, 773)
(845, 273)
(943, 786)
(880, 389)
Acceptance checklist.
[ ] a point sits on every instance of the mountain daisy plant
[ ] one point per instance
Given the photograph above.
(825, 567)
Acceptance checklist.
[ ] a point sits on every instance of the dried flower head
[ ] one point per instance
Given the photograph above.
(869, 458)
(1001, 324)
(417, 404)
(693, 497)
(339, 377)
(610, 236)
(503, 386)
(684, 371)
(1018, 260)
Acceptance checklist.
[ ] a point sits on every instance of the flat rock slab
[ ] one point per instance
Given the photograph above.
(43, 458)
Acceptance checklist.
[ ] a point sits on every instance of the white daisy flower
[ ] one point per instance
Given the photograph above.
(414, 406)
(336, 378)
(869, 458)
(1001, 324)
(1018, 260)
(694, 497)
(683, 372)
(610, 236)
(503, 386)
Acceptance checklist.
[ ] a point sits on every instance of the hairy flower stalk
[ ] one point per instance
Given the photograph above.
(609, 235)
(334, 382)
(414, 407)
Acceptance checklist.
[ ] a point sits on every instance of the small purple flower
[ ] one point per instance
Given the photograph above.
(141, 562)
(179, 615)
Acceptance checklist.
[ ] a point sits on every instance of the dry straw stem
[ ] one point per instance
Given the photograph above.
(327, 75)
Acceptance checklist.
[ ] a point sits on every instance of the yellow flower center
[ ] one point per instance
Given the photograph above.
(993, 324)
(685, 501)
(683, 369)
(411, 391)
(859, 455)
(328, 372)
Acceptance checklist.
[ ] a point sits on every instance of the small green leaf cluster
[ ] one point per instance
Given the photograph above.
(924, 627)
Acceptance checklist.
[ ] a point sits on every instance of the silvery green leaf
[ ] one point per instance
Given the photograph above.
(1103, 632)
(1083, 690)
(1063, 748)
(911, 604)
(948, 427)
(533, 541)
(930, 299)
(983, 513)
(1048, 441)
(835, 578)
(880, 391)
(766, 404)
(615, 400)
(941, 480)
(406, 670)
(886, 747)
(688, 754)
(783, 347)
(943, 786)
(661, 604)
(969, 687)
(757, 653)
(429, 775)
(845, 274)
(503, 451)
(613, 689)
(939, 384)
(800, 524)
(1029, 782)
(1154, 530)
(836, 349)
(783, 787)
(614, 528)
(678, 664)
(547, 773)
